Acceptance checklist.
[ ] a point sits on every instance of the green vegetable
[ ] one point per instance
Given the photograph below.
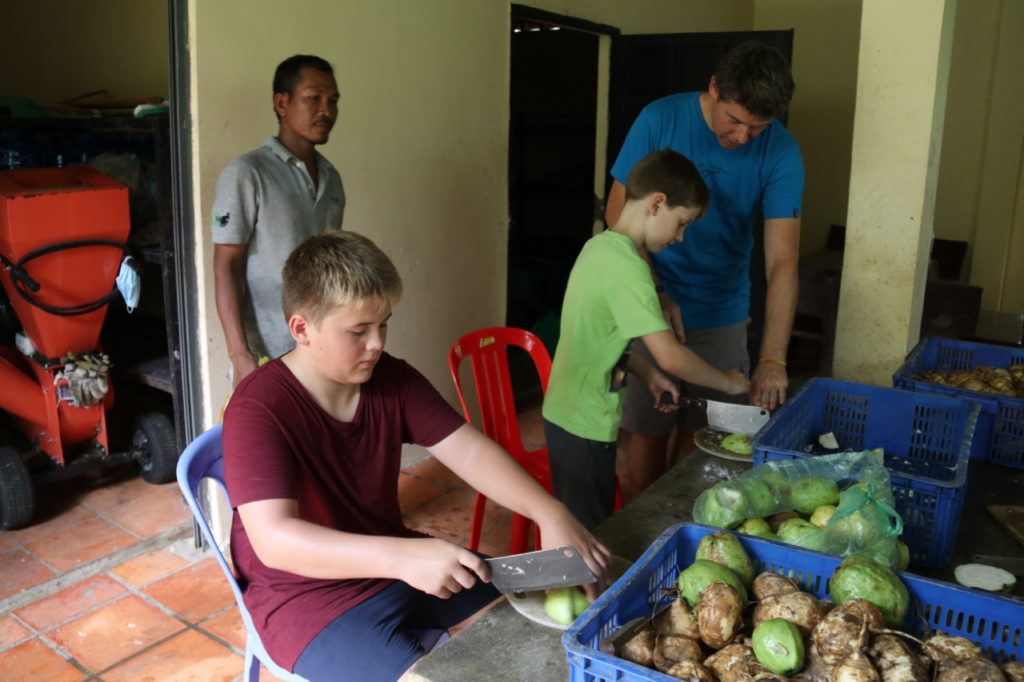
(565, 604)
(861, 578)
(779, 646)
(756, 527)
(822, 514)
(697, 576)
(802, 534)
(809, 493)
(725, 549)
(738, 443)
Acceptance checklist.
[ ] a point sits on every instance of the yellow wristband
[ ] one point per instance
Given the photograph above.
(773, 361)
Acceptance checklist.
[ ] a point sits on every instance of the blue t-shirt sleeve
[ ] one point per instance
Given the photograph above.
(784, 185)
(641, 140)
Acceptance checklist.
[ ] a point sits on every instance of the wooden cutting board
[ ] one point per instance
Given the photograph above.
(1011, 517)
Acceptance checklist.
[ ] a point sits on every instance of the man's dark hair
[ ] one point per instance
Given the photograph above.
(286, 76)
(757, 77)
(673, 175)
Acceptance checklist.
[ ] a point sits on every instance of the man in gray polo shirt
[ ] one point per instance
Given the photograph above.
(267, 202)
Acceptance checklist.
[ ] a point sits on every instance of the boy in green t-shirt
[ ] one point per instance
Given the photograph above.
(609, 301)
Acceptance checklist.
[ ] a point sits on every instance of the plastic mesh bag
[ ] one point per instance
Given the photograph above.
(853, 486)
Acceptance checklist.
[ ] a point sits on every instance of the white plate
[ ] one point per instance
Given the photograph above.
(531, 604)
(710, 441)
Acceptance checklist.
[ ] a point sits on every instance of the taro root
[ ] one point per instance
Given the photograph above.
(1014, 670)
(672, 649)
(950, 650)
(677, 619)
(692, 671)
(895, 661)
(719, 614)
(855, 667)
(864, 609)
(973, 670)
(725, 549)
(769, 584)
(839, 634)
(640, 648)
(799, 608)
(734, 663)
(815, 668)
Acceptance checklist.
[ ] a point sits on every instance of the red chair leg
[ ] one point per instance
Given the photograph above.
(478, 521)
(520, 534)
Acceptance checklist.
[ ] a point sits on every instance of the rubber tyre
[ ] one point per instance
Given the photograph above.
(155, 441)
(17, 499)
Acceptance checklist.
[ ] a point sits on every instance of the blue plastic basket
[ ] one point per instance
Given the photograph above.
(999, 437)
(995, 623)
(927, 442)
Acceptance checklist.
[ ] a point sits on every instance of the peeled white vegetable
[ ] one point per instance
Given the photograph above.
(984, 577)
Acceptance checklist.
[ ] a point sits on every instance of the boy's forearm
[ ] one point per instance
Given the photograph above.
(682, 362)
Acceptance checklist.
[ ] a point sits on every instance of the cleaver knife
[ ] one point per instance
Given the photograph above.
(559, 567)
(728, 417)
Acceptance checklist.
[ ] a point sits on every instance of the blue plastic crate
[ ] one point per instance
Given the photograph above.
(927, 442)
(999, 437)
(995, 623)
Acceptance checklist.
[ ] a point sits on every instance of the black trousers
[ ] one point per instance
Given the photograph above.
(582, 474)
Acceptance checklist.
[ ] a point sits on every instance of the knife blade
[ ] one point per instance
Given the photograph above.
(729, 417)
(559, 567)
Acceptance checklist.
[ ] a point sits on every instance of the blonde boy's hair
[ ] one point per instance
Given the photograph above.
(334, 268)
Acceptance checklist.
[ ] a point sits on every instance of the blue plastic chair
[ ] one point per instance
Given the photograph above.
(203, 458)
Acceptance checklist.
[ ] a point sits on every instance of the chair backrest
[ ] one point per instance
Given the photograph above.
(487, 350)
(203, 459)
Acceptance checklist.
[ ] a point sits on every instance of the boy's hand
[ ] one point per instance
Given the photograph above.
(441, 569)
(666, 390)
(564, 529)
(736, 383)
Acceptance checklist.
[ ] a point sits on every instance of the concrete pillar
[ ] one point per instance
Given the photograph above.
(901, 97)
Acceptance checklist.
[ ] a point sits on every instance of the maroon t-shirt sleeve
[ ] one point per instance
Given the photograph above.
(427, 418)
(258, 464)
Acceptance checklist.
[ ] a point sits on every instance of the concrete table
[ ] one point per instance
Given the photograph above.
(503, 645)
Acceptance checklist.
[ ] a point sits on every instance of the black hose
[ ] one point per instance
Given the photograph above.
(22, 280)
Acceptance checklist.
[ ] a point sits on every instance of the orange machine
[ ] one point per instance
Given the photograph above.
(62, 239)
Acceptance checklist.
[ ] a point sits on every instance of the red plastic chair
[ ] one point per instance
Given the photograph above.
(487, 350)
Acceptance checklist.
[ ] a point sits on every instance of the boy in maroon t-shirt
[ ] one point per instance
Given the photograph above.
(312, 450)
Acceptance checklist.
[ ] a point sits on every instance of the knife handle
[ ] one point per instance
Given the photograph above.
(666, 399)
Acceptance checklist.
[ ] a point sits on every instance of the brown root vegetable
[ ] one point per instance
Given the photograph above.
(799, 608)
(777, 519)
(839, 634)
(672, 649)
(677, 619)
(692, 671)
(864, 610)
(733, 663)
(855, 667)
(719, 614)
(640, 648)
(815, 668)
(895, 661)
(769, 584)
(973, 670)
(950, 650)
(1014, 670)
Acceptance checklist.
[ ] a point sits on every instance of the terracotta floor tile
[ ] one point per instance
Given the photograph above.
(113, 632)
(431, 469)
(195, 591)
(228, 626)
(120, 491)
(188, 657)
(5, 542)
(70, 602)
(44, 526)
(11, 631)
(148, 567)
(413, 492)
(152, 514)
(19, 571)
(453, 510)
(265, 676)
(34, 661)
(80, 543)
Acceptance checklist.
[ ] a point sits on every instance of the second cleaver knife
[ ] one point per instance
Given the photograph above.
(559, 567)
(728, 417)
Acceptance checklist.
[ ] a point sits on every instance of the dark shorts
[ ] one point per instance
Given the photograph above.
(582, 474)
(377, 640)
(721, 347)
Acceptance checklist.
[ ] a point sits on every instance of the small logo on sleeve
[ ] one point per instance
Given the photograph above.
(222, 220)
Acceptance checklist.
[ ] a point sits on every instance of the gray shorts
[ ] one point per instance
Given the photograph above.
(723, 348)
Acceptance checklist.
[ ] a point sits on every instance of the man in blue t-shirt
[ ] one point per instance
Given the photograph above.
(753, 169)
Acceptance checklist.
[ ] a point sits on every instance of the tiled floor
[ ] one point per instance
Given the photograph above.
(106, 585)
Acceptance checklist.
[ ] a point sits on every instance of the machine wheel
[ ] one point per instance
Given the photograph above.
(157, 448)
(17, 500)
